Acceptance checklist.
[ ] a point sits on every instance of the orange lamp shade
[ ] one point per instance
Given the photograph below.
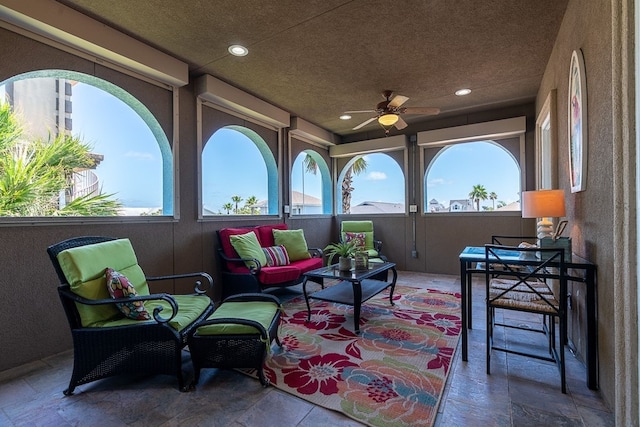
(543, 203)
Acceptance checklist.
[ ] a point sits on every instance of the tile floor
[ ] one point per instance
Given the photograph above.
(519, 392)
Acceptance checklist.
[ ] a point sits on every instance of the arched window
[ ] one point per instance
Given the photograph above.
(310, 185)
(472, 176)
(85, 147)
(239, 174)
(371, 184)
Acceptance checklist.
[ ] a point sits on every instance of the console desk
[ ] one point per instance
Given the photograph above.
(578, 270)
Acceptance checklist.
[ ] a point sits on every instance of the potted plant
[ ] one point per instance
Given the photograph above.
(345, 252)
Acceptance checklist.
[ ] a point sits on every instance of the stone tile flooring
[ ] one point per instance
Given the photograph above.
(519, 392)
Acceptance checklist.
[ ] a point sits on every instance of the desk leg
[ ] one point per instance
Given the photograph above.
(592, 330)
(464, 303)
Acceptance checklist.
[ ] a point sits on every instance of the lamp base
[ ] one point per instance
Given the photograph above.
(545, 228)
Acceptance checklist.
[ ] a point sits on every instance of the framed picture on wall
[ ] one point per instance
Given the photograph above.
(577, 123)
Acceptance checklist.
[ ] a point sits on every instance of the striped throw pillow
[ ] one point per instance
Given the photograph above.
(276, 255)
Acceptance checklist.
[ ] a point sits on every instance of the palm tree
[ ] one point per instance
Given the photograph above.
(33, 174)
(478, 193)
(227, 207)
(357, 167)
(236, 200)
(310, 166)
(250, 203)
(493, 196)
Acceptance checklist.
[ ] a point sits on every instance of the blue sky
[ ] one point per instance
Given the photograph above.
(132, 166)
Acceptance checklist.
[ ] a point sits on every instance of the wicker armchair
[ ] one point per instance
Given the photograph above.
(115, 344)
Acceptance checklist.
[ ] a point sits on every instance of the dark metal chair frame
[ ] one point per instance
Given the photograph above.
(550, 266)
(148, 347)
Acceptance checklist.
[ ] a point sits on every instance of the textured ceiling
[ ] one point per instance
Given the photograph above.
(318, 58)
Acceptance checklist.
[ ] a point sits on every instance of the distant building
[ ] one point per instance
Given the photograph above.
(461, 205)
(301, 204)
(47, 102)
(377, 208)
(513, 206)
(436, 206)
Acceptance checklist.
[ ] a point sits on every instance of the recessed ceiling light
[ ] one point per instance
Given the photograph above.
(345, 117)
(238, 50)
(463, 92)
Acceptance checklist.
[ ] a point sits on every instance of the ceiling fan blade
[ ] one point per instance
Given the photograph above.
(400, 124)
(425, 111)
(397, 101)
(363, 124)
(359, 111)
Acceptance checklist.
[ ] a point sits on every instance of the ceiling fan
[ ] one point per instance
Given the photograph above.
(388, 112)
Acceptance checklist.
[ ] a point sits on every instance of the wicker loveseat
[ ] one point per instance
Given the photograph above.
(249, 275)
(105, 341)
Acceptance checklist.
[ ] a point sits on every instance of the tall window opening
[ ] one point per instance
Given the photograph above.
(371, 184)
(72, 144)
(472, 176)
(310, 185)
(239, 174)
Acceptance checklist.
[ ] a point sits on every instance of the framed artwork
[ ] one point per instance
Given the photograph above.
(577, 123)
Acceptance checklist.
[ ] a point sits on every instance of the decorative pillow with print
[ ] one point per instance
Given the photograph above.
(357, 237)
(119, 287)
(276, 255)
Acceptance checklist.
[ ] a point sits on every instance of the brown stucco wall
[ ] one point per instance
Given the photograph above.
(587, 26)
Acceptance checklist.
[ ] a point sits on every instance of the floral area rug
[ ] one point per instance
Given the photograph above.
(391, 374)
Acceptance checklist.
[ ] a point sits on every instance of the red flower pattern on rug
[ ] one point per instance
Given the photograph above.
(392, 373)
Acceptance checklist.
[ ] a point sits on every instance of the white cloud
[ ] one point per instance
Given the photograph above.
(139, 155)
(376, 176)
(435, 182)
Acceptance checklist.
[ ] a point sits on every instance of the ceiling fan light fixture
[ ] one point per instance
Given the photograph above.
(388, 119)
(463, 92)
(345, 117)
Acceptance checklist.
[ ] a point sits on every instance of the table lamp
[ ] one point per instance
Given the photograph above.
(544, 204)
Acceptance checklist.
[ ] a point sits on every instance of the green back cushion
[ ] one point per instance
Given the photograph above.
(84, 268)
(247, 246)
(262, 312)
(365, 227)
(294, 242)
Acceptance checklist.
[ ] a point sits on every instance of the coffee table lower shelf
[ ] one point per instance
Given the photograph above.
(346, 292)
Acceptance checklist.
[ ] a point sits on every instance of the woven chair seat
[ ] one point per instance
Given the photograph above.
(537, 298)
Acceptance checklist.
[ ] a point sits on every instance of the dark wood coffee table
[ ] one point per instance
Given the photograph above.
(353, 287)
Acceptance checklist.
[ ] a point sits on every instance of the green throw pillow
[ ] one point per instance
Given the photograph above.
(294, 242)
(247, 246)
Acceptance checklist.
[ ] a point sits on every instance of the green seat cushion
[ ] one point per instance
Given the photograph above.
(365, 227)
(294, 242)
(247, 246)
(190, 307)
(262, 312)
(84, 267)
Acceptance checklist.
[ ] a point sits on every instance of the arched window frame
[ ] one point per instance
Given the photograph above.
(325, 177)
(356, 149)
(486, 131)
(166, 150)
(270, 164)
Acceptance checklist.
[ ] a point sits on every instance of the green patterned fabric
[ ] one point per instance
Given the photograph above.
(190, 307)
(84, 267)
(365, 227)
(247, 246)
(262, 312)
(294, 242)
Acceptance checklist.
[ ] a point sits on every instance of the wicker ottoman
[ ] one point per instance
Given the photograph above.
(238, 334)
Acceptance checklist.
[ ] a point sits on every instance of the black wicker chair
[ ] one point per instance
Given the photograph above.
(147, 347)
